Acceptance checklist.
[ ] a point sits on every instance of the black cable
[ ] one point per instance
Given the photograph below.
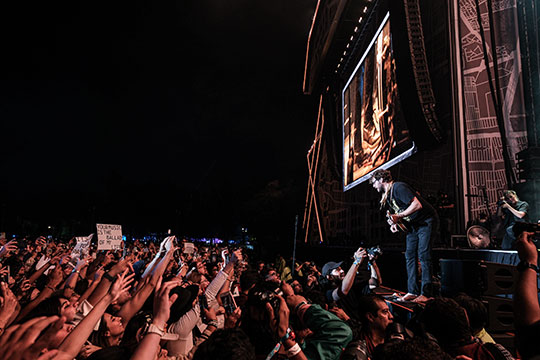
(494, 96)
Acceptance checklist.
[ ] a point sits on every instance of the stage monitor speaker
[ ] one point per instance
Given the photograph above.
(501, 278)
(500, 313)
(476, 277)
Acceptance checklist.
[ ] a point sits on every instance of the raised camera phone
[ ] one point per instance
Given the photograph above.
(228, 302)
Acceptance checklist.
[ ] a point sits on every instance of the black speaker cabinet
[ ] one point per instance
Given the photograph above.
(500, 313)
(501, 278)
(476, 277)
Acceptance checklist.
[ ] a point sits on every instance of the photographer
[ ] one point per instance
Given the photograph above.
(347, 288)
(512, 210)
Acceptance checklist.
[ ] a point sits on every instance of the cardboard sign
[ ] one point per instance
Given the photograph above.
(109, 236)
(189, 248)
(82, 248)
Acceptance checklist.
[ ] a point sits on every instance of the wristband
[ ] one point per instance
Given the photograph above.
(286, 336)
(213, 323)
(154, 329)
(293, 350)
(50, 287)
(524, 265)
(108, 277)
(297, 307)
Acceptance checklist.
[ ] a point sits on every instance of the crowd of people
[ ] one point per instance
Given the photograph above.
(153, 301)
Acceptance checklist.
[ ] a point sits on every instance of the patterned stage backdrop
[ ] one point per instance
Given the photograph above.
(484, 155)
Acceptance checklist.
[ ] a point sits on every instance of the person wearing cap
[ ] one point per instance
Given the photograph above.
(346, 288)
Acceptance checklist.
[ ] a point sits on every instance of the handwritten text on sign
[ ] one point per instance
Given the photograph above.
(109, 236)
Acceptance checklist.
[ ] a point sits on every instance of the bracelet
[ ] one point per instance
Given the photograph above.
(50, 287)
(213, 323)
(75, 271)
(286, 336)
(108, 277)
(293, 350)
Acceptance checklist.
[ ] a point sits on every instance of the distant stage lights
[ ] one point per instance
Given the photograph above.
(360, 19)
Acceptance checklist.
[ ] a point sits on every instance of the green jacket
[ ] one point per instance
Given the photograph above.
(330, 334)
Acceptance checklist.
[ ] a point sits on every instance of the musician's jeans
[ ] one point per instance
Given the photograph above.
(509, 238)
(419, 248)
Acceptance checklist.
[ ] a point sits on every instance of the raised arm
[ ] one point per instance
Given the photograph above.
(133, 305)
(73, 343)
(72, 279)
(106, 280)
(54, 279)
(8, 247)
(347, 283)
(149, 345)
(518, 213)
(526, 307)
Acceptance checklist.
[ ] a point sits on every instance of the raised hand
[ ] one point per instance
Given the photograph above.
(232, 319)
(40, 241)
(209, 314)
(340, 313)
(55, 277)
(526, 248)
(236, 256)
(162, 301)
(9, 247)
(360, 254)
(25, 286)
(9, 307)
(119, 267)
(88, 350)
(279, 323)
(23, 341)
(121, 285)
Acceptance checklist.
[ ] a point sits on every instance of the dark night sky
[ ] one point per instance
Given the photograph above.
(155, 114)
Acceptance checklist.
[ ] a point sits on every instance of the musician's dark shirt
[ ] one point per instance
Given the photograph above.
(401, 196)
(511, 219)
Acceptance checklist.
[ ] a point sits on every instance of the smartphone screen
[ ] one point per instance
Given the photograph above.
(228, 302)
(203, 302)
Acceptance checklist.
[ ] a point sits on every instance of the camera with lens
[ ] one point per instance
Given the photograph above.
(397, 331)
(374, 251)
(261, 295)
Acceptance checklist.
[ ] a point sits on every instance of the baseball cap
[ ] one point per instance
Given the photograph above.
(329, 266)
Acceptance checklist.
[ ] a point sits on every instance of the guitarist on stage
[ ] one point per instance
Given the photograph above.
(409, 212)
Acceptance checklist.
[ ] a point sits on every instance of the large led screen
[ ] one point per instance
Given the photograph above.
(375, 134)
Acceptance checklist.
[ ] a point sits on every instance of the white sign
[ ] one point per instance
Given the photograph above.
(109, 237)
(82, 248)
(189, 248)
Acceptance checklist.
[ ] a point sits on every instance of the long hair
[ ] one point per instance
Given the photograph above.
(384, 176)
(98, 337)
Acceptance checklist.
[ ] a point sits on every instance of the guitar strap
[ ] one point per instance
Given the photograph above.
(391, 202)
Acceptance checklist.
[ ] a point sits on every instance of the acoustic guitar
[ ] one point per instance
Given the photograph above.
(401, 224)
